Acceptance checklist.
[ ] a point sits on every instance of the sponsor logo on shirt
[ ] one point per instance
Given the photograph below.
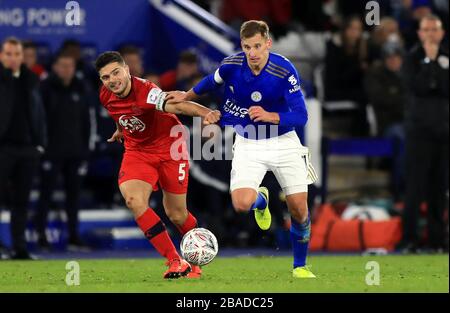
(295, 89)
(235, 110)
(131, 123)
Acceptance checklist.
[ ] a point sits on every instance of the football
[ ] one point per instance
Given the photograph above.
(199, 246)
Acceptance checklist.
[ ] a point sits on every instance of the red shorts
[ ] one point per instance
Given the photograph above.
(171, 175)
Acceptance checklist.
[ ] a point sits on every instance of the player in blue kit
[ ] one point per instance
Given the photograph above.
(263, 102)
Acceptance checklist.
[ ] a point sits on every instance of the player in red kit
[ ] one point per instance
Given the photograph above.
(144, 121)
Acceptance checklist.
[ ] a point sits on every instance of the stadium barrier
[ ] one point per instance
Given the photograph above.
(332, 233)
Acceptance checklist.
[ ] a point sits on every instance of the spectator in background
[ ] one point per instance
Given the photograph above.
(408, 17)
(132, 57)
(179, 78)
(440, 8)
(427, 135)
(345, 65)
(387, 93)
(30, 59)
(387, 31)
(66, 102)
(22, 137)
(84, 70)
(386, 89)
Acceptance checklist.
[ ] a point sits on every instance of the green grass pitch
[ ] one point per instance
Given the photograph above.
(423, 273)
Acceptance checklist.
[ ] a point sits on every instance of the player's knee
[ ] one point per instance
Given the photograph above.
(133, 203)
(242, 205)
(178, 217)
(299, 212)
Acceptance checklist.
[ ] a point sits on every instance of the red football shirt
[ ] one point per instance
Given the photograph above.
(144, 127)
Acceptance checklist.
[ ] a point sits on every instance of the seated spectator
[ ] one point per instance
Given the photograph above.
(30, 59)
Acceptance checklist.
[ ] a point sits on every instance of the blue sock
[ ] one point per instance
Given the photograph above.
(260, 202)
(300, 235)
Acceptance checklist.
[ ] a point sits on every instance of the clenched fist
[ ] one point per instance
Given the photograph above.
(212, 117)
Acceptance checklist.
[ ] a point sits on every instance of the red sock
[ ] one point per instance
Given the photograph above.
(189, 223)
(155, 231)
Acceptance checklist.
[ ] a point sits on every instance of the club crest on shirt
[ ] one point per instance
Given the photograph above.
(256, 96)
(131, 123)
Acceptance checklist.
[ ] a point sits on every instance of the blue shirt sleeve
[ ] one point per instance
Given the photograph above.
(212, 81)
(207, 84)
(298, 115)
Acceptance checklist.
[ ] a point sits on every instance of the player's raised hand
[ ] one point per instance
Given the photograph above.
(212, 117)
(117, 136)
(176, 96)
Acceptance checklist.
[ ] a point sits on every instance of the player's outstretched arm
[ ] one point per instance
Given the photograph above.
(190, 108)
(180, 96)
(207, 84)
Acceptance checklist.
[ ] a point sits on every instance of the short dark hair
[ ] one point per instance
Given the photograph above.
(11, 40)
(106, 58)
(253, 27)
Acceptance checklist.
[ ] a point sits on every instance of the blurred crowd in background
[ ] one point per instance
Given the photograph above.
(383, 67)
